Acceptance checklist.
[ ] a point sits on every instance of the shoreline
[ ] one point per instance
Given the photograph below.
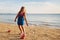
(43, 25)
(50, 20)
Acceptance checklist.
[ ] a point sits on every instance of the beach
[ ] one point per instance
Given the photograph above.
(42, 19)
(31, 32)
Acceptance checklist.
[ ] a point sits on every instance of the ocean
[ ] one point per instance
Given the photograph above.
(51, 20)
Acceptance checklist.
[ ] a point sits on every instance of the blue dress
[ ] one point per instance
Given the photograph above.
(20, 20)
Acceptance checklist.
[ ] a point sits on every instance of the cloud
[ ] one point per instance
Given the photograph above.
(7, 7)
(42, 7)
(31, 7)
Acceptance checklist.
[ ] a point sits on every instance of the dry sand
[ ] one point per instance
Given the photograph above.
(32, 32)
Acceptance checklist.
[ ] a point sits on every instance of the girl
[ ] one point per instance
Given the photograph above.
(21, 17)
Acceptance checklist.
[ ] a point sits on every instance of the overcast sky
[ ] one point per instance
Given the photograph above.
(32, 6)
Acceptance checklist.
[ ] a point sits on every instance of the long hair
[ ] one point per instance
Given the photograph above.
(22, 9)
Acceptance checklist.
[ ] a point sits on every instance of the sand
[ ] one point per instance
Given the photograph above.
(32, 32)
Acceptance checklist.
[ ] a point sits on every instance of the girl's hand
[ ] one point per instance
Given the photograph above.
(27, 24)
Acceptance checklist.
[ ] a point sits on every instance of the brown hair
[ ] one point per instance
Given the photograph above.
(22, 9)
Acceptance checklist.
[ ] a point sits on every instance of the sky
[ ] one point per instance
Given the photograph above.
(31, 6)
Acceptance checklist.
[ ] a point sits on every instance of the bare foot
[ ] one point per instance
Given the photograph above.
(22, 36)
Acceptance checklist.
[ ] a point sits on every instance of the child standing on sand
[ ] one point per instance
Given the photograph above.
(21, 17)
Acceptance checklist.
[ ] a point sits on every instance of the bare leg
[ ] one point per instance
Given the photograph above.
(22, 34)
(21, 28)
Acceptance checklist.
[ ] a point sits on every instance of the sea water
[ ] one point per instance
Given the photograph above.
(34, 19)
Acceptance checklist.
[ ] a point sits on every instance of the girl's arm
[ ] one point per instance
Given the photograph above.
(16, 17)
(25, 19)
